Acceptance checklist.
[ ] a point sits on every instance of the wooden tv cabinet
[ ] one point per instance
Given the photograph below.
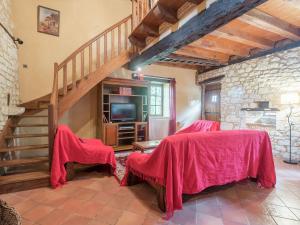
(121, 135)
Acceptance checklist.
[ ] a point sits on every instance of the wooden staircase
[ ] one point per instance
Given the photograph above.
(26, 142)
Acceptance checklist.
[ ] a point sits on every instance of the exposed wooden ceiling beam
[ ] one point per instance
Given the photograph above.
(167, 14)
(203, 54)
(243, 37)
(205, 22)
(222, 45)
(280, 46)
(272, 24)
(191, 60)
(179, 65)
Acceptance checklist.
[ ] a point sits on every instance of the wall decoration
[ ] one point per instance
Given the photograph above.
(48, 21)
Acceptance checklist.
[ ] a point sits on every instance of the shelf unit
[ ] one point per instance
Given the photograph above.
(121, 135)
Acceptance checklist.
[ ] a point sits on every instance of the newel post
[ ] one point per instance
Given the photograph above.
(53, 114)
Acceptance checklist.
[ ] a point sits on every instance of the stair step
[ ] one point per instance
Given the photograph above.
(25, 116)
(23, 148)
(22, 162)
(23, 177)
(37, 108)
(31, 125)
(26, 135)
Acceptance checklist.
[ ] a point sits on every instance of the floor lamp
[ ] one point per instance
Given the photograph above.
(290, 99)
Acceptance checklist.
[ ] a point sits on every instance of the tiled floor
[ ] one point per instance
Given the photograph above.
(99, 200)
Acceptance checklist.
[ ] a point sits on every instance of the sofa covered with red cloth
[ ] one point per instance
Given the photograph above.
(190, 162)
(200, 126)
(70, 148)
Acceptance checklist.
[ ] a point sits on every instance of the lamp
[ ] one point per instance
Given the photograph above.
(290, 99)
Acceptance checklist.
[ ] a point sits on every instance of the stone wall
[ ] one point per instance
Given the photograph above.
(8, 62)
(262, 79)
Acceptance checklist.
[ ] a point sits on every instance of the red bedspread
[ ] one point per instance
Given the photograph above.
(69, 148)
(199, 126)
(189, 163)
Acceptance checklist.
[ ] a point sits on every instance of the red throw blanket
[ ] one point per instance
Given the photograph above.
(199, 126)
(69, 148)
(189, 163)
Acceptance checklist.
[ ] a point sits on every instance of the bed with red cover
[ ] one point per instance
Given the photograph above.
(70, 148)
(188, 163)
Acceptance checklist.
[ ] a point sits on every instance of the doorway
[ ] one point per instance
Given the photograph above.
(212, 102)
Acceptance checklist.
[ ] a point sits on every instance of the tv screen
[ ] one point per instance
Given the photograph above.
(123, 112)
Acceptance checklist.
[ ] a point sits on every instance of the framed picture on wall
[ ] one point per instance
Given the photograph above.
(48, 21)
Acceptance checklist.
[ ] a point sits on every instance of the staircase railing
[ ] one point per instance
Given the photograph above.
(140, 9)
(83, 62)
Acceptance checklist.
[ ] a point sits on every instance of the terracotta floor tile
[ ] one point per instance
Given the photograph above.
(24, 206)
(103, 197)
(296, 212)
(129, 218)
(261, 220)
(281, 211)
(72, 205)
(90, 209)
(98, 199)
(85, 194)
(77, 220)
(37, 212)
(234, 215)
(109, 215)
(56, 217)
(283, 221)
(204, 219)
(139, 207)
(11, 198)
(119, 202)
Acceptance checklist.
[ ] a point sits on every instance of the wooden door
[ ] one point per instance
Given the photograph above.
(111, 134)
(212, 102)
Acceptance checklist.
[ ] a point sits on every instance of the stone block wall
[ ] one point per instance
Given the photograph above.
(262, 79)
(8, 62)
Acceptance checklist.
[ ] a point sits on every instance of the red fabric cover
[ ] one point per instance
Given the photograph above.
(189, 163)
(201, 125)
(69, 148)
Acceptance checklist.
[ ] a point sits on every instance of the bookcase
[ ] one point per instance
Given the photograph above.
(121, 134)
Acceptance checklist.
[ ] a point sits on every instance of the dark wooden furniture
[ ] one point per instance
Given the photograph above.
(121, 135)
(145, 145)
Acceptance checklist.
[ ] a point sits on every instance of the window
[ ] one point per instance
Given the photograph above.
(214, 98)
(156, 99)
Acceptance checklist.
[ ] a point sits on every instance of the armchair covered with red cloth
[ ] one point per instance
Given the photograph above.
(200, 126)
(69, 148)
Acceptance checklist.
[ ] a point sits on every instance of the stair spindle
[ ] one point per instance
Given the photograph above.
(112, 43)
(65, 79)
(90, 59)
(105, 47)
(126, 36)
(82, 63)
(119, 39)
(74, 72)
(98, 63)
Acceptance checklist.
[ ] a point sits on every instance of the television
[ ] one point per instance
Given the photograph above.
(122, 112)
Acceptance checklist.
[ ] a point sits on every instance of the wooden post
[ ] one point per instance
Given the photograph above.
(90, 59)
(65, 79)
(53, 114)
(98, 53)
(74, 72)
(82, 63)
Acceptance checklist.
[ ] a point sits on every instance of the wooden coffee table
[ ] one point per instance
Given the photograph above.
(145, 145)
